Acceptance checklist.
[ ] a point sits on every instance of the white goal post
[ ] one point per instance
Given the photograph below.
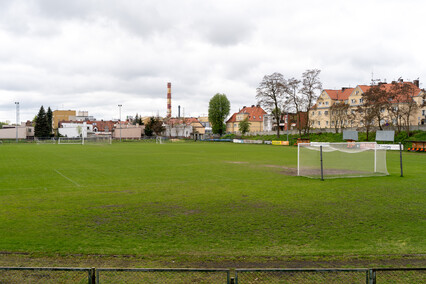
(335, 160)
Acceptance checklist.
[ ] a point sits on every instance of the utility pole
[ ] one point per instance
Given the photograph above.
(119, 108)
(17, 120)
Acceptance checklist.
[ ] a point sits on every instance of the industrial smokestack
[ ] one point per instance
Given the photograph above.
(169, 99)
(178, 111)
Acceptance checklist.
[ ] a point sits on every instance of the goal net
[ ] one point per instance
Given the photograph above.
(50, 140)
(336, 160)
(70, 140)
(96, 140)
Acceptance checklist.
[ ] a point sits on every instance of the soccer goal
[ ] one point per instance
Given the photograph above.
(70, 140)
(337, 160)
(97, 140)
(50, 140)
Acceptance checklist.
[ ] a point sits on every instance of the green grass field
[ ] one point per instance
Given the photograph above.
(202, 200)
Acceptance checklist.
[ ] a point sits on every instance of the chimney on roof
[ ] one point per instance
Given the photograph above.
(417, 83)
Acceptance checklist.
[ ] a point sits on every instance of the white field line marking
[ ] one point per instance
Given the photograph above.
(59, 173)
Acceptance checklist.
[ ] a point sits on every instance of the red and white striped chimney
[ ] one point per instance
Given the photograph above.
(169, 99)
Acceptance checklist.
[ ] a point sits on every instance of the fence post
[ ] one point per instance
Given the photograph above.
(92, 279)
(371, 279)
(400, 158)
(322, 172)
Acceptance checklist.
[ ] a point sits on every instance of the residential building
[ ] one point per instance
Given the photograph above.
(204, 120)
(255, 116)
(74, 129)
(124, 130)
(323, 115)
(184, 127)
(24, 131)
(61, 115)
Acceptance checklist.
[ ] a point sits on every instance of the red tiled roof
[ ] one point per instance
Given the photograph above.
(340, 95)
(254, 114)
(388, 88)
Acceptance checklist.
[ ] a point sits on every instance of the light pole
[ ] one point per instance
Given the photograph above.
(119, 108)
(17, 119)
(287, 125)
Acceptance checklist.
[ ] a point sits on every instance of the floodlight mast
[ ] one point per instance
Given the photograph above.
(17, 120)
(119, 120)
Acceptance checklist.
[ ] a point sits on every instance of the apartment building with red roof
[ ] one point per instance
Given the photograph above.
(255, 115)
(321, 114)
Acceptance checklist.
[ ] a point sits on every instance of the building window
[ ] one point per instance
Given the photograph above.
(319, 123)
(313, 113)
(423, 112)
(326, 112)
(332, 123)
(319, 113)
(353, 101)
(326, 103)
(319, 103)
(326, 123)
(361, 101)
(260, 116)
(254, 116)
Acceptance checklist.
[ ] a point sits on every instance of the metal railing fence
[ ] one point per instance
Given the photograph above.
(12, 275)
(305, 276)
(162, 275)
(195, 275)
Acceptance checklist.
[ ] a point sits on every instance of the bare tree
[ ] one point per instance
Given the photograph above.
(339, 114)
(402, 104)
(366, 117)
(310, 85)
(294, 100)
(376, 98)
(270, 95)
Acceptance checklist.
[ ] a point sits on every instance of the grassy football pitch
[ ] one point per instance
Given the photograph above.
(202, 200)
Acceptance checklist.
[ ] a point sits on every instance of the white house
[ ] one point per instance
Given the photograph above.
(75, 129)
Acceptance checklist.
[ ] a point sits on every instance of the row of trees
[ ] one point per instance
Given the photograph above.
(278, 95)
(395, 104)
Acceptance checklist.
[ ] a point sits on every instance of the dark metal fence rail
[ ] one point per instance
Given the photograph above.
(397, 275)
(194, 275)
(162, 275)
(45, 275)
(243, 276)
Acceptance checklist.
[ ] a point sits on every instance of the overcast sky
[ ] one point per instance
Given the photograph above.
(95, 54)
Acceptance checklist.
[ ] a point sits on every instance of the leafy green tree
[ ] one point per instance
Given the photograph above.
(154, 125)
(244, 126)
(49, 117)
(219, 107)
(157, 126)
(148, 129)
(41, 128)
